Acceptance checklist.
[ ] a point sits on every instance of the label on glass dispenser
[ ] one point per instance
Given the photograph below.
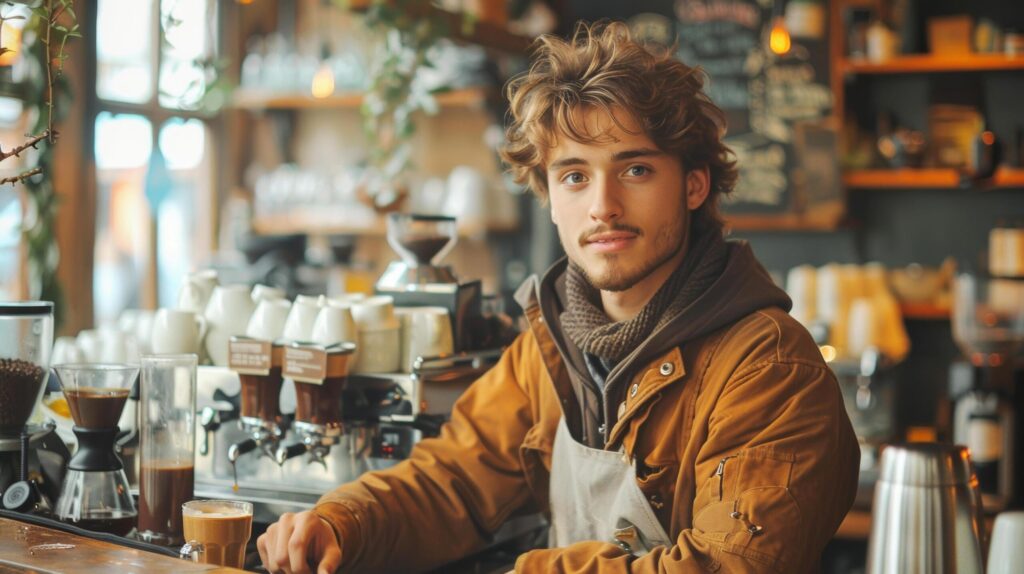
(306, 364)
(250, 356)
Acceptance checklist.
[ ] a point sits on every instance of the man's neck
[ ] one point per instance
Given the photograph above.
(624, 305)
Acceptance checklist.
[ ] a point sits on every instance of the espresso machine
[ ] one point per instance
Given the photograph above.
(418, 278)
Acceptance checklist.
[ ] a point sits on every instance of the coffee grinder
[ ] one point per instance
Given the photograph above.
(26, 338)
(988, 325)
(96, 495)
(419, 279)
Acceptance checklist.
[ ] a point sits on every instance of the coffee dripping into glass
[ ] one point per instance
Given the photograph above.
(96, 494)
(320, 374)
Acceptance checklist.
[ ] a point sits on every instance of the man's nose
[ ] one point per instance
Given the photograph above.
(606, 203)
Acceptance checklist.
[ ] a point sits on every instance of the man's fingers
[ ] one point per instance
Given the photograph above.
(261, 547)
(298, 546)
(279, 545)
(330, 561)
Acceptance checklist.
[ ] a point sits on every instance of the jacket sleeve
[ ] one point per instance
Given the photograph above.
(788, 458)
(444, 501)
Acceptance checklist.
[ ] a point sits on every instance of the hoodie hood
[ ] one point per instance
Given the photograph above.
(743, 288)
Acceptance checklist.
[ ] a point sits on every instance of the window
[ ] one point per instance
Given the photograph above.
(152, 149)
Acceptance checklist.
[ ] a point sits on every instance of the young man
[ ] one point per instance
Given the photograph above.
(662, 409)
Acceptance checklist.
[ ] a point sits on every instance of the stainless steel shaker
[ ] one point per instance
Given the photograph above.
(927, 512)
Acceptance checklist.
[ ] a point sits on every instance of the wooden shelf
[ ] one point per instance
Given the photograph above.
(485, 34)
(910, 178)
(927, 63)
(334, 222)
(473, 98)
(784, 222)
(924, 311)
(855, 526)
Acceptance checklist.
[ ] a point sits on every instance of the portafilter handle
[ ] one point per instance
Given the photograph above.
(285, 453)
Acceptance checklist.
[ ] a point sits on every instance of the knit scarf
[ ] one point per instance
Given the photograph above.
(586, 324)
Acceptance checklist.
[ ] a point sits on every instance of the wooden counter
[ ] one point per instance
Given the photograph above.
(39, 549)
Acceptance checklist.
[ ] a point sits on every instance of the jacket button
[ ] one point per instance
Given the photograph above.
(622, 409)
(634, 389)
(666, 369)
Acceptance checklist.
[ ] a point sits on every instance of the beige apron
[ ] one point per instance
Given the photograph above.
(594, 496)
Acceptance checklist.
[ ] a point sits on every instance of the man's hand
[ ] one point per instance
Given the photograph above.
(296, 541)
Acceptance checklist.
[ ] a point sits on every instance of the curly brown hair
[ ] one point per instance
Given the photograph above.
(603, 67)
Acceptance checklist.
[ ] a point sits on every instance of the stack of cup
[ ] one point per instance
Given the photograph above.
(426, 332)
(379, 335)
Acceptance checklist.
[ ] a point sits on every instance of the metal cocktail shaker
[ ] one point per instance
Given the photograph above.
(927, 512)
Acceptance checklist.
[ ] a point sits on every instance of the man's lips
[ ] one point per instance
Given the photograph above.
(610, 241)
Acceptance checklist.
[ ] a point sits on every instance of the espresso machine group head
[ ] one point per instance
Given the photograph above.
(320, 374)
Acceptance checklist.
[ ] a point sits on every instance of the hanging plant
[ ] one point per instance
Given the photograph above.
(51, 24)
(407, 30)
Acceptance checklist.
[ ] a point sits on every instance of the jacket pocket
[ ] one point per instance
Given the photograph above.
(748, 506)
(535, 458)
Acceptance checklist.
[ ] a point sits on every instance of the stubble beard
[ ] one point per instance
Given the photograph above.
(617, 277)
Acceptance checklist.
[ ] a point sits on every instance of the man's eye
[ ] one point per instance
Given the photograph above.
(574, 178)
(638, 171)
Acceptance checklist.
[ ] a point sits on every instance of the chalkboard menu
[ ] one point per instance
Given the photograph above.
(769, 100)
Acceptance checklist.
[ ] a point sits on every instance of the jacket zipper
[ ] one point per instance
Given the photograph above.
(720, 474)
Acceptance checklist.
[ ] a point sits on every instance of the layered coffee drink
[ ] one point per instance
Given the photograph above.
(217, 531)
(163, 487)
(96, 408)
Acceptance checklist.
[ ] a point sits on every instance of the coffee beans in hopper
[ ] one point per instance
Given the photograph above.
(19, 388)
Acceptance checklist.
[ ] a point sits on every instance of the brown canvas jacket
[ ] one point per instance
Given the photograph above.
(737, 428)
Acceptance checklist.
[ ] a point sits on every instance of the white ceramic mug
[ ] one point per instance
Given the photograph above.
(426, 332)
(268, 320)
(113, 346)
(65, 350)
(299, 325)
(263, 292)
(227, 314)
(176, 331)
(1006, 551)
(380, 351)
(88, 342)
(375, 313)
(334, 324)
(196, 290)
(144, 330)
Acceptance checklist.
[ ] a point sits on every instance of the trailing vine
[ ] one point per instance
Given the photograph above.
(407, 29)
(51, 25)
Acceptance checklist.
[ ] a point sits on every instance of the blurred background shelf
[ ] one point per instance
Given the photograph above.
(334, 222)
(924, 311)
(474, 98)
(908, 178)
(927, 63)
(464, 29)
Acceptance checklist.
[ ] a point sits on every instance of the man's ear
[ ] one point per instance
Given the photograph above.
(698, 186)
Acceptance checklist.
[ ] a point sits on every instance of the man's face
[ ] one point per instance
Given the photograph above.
(620, 204)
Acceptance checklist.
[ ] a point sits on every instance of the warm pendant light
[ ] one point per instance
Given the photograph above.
(778, 39)
(323, 80)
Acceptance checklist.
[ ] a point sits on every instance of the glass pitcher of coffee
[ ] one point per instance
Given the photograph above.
(167, 442)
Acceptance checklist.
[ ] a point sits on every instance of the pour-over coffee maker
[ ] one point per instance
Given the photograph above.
(96, 494)
(419, 279)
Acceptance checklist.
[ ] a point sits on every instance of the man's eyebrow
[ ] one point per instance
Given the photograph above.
(565, 162)
(635, 153)
(618, 156)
